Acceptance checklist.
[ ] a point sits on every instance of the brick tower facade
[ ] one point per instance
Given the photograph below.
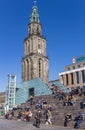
(34, 61)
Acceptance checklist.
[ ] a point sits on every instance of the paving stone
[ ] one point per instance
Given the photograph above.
(15, 125)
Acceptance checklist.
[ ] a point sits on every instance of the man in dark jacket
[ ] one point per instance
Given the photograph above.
(78, 120)
(38, 118)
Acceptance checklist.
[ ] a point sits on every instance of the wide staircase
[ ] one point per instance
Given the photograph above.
(59, 111)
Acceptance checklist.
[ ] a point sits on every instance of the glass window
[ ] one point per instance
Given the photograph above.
(83, 76)
(72, 79)
(73, 67)
(78, 66)
(68, 68)
(12, 77)
(77, 77)
(67, 79)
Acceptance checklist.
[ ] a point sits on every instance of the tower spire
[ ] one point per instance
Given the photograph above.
(35, 15)
(34, 2)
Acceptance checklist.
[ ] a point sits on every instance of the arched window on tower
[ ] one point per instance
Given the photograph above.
(33, 30)
(28, 46)
(40, 67)
(27, 69)
(33, 18)
(25, 49)
(38, 31)
(31, 63)
(31, 45)
(29, 30)
(23, 70)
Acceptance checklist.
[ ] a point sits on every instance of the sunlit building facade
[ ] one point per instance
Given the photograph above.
(2, 99)
(74, 74)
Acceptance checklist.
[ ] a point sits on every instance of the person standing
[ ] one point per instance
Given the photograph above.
(49, 117)
(66, 121)
(78, 120)
(38, 118)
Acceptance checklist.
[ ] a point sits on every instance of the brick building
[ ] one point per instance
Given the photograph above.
(35, 61)
(2, 98)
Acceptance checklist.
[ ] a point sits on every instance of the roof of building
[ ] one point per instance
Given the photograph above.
(35, 15)
(40, 88)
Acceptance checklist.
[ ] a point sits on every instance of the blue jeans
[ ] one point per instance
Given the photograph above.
(79, 123)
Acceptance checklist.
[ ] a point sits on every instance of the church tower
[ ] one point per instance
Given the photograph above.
(35, 61)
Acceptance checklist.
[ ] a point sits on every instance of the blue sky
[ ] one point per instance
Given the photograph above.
(63, 23)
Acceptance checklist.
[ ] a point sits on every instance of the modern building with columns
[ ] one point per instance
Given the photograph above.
(74, 74)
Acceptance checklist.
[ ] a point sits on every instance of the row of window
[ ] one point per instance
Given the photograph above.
(73, 67)
(11, 106)
(11, 103)
(29, 46)
(77, 78)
